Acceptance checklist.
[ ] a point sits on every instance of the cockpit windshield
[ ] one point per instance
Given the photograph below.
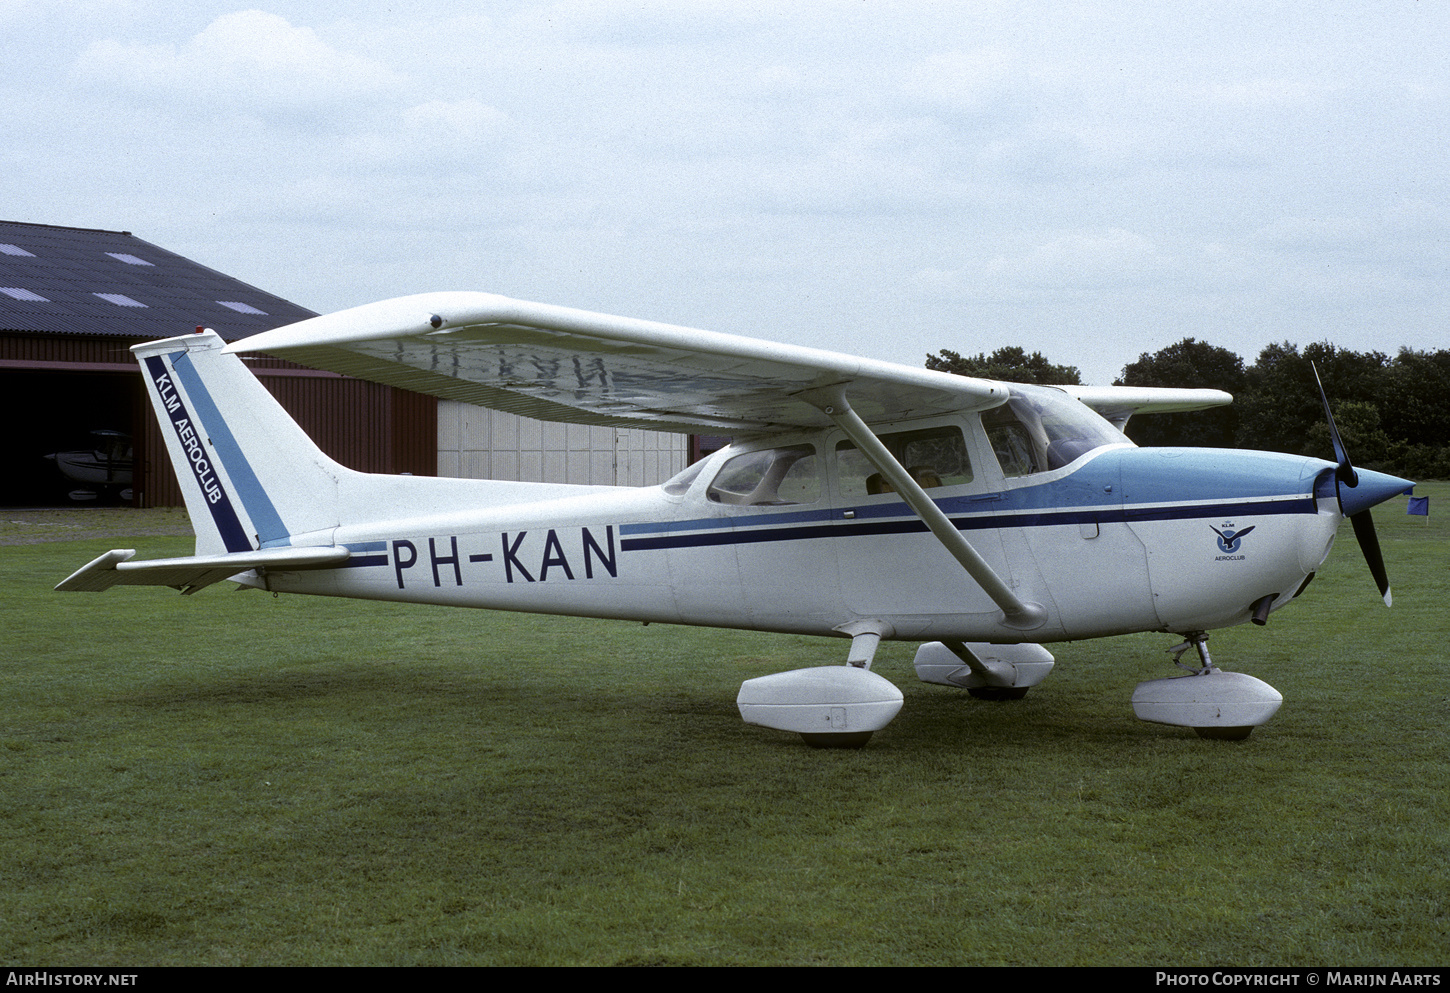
(1039, 429)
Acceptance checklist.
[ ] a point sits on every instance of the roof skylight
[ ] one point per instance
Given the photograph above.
(119, 299)
(16, 250)
(128, 259)
(241, 308)
(19, 294)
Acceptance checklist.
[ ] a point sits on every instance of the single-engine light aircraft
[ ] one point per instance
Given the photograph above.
(860, 499)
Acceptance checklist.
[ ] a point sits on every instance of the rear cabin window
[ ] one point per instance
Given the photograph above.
(933, 457)
(770, 477)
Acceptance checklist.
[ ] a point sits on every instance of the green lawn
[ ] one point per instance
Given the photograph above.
(234, 778)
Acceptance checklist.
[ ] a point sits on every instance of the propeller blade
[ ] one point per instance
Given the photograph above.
(1345, 473)
(1369, 544)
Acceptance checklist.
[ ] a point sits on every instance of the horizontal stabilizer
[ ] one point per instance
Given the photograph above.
(190, 573)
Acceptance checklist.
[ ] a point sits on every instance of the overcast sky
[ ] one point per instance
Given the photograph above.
(1092, 180)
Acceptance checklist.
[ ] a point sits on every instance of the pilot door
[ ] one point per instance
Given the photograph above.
(890, 564)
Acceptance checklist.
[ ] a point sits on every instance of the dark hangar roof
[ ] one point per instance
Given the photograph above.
(56, 280)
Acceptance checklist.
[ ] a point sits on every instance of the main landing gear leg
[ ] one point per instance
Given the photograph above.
(1216, 704)
(987, 672)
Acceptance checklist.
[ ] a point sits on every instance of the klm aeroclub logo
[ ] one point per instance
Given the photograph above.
(1230, 540)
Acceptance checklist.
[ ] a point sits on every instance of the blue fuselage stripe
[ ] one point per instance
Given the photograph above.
(366, 553)
(744, 534)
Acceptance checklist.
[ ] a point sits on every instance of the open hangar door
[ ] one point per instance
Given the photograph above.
(89, 419)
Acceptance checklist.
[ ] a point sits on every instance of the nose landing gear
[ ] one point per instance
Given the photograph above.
(1216, 704)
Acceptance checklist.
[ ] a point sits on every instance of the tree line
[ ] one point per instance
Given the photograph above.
(1393, 412)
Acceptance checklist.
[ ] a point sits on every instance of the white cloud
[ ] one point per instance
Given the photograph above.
(1314, 233)
(1075, 260)
(1018, 169)
(1269, 93)
(459, 123)
(247, 58)
(436, 134)
(644, 22)
(965, 81)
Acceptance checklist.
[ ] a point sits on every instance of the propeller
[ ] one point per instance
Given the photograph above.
(1357, 492)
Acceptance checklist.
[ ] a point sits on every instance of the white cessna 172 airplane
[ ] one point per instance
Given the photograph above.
(860, 499)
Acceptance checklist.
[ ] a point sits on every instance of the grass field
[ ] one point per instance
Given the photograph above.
(240, 779)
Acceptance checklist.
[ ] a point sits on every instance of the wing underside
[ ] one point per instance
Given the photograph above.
(554, 363)
(559, 364)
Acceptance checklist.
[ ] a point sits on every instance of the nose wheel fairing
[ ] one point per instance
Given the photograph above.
(1216, 704)
(996, 672)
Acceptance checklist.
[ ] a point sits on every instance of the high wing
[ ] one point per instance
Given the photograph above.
(560, 364)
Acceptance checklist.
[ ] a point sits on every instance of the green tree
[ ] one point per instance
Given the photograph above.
(1416, 405)
(1282, 410)
(1011, 364)
(1359, 429)
(1188, 364)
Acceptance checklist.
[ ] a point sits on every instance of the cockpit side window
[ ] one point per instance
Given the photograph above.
(1038, 430)
(1016, 437)
(770, 477)
(933, 457)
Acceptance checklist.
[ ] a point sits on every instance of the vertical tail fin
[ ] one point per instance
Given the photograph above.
(250, 475)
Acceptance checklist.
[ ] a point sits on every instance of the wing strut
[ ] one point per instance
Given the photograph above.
(1020, 613)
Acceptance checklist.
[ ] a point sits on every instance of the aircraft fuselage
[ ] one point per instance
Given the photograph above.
(1121, 540)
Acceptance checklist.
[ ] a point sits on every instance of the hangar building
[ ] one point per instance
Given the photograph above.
(73, 301)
